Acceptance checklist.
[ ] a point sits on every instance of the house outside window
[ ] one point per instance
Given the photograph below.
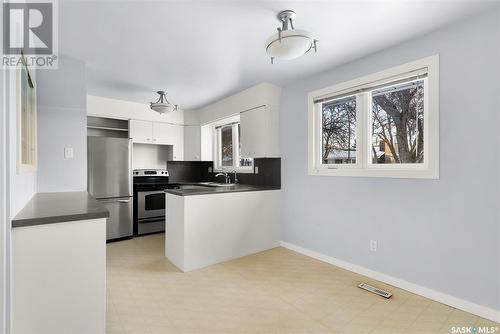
(381, 125)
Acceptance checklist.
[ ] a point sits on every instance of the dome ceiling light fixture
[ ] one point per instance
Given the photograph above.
(289, 43)
(163, 106)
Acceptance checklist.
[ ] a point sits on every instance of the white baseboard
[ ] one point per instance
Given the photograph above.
(440, 297)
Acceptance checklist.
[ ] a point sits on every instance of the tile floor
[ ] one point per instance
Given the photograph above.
(277, 291)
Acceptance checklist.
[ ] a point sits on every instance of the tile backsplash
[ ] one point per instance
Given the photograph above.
(269, 173)
(189, 171)
(197, 171)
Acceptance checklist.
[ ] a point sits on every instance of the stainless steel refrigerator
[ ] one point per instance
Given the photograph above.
(110, 182)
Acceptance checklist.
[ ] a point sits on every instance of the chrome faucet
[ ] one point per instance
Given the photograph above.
(226, 175)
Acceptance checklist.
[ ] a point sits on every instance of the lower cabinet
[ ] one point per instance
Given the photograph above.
(200, 233)
(59, 278)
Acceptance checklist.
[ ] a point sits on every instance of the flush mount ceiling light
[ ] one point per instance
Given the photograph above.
(289, 43)
(162, 106)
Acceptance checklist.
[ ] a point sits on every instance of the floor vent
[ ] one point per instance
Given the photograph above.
(377, 291)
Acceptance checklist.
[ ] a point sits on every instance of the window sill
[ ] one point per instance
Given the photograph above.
(387, 173)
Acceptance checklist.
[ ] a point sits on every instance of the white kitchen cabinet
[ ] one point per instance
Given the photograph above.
(164, 133)
(59, 278)
(201, 234)
(146, 132)
(207, 142)
(192, 143)
(178, 142)
(141, 131)
(259, 132)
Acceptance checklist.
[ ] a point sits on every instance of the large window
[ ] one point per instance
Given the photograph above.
(385, 124)
(228, 148)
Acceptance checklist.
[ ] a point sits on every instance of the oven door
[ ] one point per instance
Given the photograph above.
(150, 204)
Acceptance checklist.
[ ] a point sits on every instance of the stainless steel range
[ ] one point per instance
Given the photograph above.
(149, 200)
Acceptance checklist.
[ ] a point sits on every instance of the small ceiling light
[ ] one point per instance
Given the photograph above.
(162, 106)
(289, 43)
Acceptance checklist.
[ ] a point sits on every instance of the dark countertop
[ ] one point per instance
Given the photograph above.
(48, 208)
(197, 189)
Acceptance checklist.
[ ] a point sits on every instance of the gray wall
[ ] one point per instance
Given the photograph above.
(441, 234)
(62, 122)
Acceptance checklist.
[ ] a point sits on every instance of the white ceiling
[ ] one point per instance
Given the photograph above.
(201, 51)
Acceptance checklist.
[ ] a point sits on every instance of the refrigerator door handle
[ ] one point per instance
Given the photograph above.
(115, 200)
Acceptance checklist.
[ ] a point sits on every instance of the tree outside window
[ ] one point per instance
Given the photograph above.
(398, 124)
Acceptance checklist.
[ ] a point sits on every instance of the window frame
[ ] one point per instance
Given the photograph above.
(319, 130)
(364, 167)
(28, 130)
(233, 122)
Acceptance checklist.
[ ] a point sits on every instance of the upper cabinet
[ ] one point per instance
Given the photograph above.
(192, 143)
(259, 132)
(141, 131)
(147, 132)
(258, 108)
(164, 133)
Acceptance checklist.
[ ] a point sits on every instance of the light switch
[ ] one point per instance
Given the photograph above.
(68, 153)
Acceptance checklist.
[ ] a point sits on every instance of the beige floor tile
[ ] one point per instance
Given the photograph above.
(277, 291)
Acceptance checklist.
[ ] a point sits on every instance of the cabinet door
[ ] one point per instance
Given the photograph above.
(192, 143)
(178, 142)
(170, 134)
(254, 133)
(163, 133)
(141, 131)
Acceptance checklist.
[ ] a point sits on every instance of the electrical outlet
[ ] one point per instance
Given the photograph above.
(210, 169)
(256, 169)
(373, 245)
(68, 153)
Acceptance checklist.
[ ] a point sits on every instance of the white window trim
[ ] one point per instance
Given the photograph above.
(217, 145)
(22, 167)
(363, 166)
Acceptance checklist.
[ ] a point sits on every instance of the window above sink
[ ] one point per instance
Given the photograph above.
(227, 152)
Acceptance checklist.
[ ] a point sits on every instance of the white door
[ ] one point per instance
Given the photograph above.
(141, 131)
